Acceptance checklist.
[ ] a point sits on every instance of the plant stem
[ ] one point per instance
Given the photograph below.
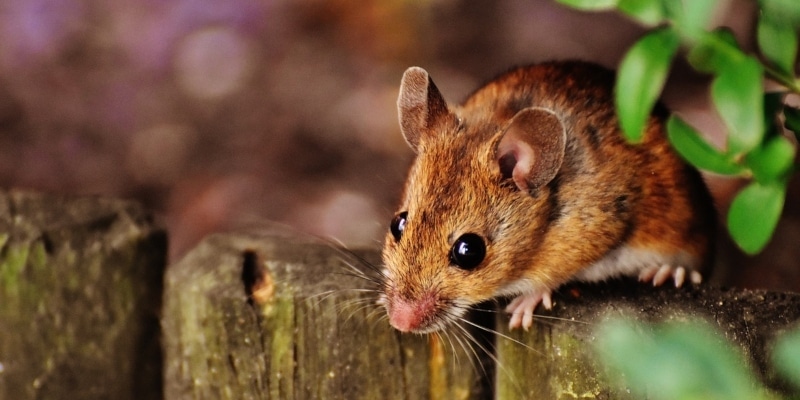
(788, 82)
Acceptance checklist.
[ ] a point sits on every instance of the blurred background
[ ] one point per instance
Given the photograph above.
(218, 114)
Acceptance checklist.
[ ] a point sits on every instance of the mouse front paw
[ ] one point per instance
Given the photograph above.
(521, 308)
(659, 275)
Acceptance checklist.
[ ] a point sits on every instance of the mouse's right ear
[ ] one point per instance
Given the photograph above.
(420, 106)
(532, 148)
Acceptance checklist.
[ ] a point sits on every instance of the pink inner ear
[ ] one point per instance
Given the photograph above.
(518, 156)
(524, 166)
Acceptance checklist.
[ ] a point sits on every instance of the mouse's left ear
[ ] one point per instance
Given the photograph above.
(420, 106)
(532, 147)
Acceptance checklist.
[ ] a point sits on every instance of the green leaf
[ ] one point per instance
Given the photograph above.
(696, 15)
(715, 50)
(786, 356)
(676, 361)
(778, 42)
(648, 12)
(590, 5)
(692, 147)
(641, 77)
(788, 11)
(754, 214)
(772, 161)
(737, 93)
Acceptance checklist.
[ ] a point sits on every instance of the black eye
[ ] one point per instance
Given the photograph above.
(398, 225)
(468, 251)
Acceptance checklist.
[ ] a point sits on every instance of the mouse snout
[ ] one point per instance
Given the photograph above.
(411, 315)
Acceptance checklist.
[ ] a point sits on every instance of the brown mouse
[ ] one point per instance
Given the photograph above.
(530, 184)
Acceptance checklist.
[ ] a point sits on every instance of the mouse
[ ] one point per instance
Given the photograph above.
(529, 184)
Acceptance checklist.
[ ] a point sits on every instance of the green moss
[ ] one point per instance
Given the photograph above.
(280, 325)
(4, 239)
(552, 363)
(38, 255)
(12, 266)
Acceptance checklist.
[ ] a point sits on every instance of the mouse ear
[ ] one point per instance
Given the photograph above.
(420, 105)
(532, 148)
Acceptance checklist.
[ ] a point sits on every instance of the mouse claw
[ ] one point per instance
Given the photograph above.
(547, 302)
(695, 277)
(521, 308)
(662, 275)
(659, 275)
(679, 276)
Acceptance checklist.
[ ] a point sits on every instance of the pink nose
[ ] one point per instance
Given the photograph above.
(408, 316)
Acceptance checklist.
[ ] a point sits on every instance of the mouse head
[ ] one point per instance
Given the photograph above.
(475, 205)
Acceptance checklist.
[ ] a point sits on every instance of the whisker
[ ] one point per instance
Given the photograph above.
(455, 356)
(504, 336)
(471, 339)
(491, 354)
(347, 253)
(321, 295)
(361, 302)
(381, 319)
(354, 304)
(363, 306)
(358, 275)
(535, 316)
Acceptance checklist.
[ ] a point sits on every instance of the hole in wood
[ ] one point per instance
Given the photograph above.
(258, 285)
(47, 242)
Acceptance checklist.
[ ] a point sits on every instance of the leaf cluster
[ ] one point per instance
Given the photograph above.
(759, 146)
(686, 361)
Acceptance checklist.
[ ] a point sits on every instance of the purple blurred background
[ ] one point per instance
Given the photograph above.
(218, 114)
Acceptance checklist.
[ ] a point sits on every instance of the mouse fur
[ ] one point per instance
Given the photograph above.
(534, 163)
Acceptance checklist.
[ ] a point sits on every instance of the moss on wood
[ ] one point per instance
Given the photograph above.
(254, 315)
(80, 283)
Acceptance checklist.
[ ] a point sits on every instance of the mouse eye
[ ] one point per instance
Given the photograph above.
(468, 251)
(398, 225)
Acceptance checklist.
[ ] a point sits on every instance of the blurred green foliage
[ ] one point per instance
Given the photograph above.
(757, 122)
(688, 361)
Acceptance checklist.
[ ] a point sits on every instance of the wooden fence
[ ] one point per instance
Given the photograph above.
(268, 314)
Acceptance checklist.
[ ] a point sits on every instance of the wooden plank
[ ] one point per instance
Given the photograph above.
(306, 331)
(270, 315)
(309, 332)
(80, 290)
(556, 358)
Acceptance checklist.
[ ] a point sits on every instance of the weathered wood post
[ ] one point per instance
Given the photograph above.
(80, 292)
(556, 359)
(271, 316)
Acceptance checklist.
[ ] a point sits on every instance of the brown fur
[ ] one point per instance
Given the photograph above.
(606, 194)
